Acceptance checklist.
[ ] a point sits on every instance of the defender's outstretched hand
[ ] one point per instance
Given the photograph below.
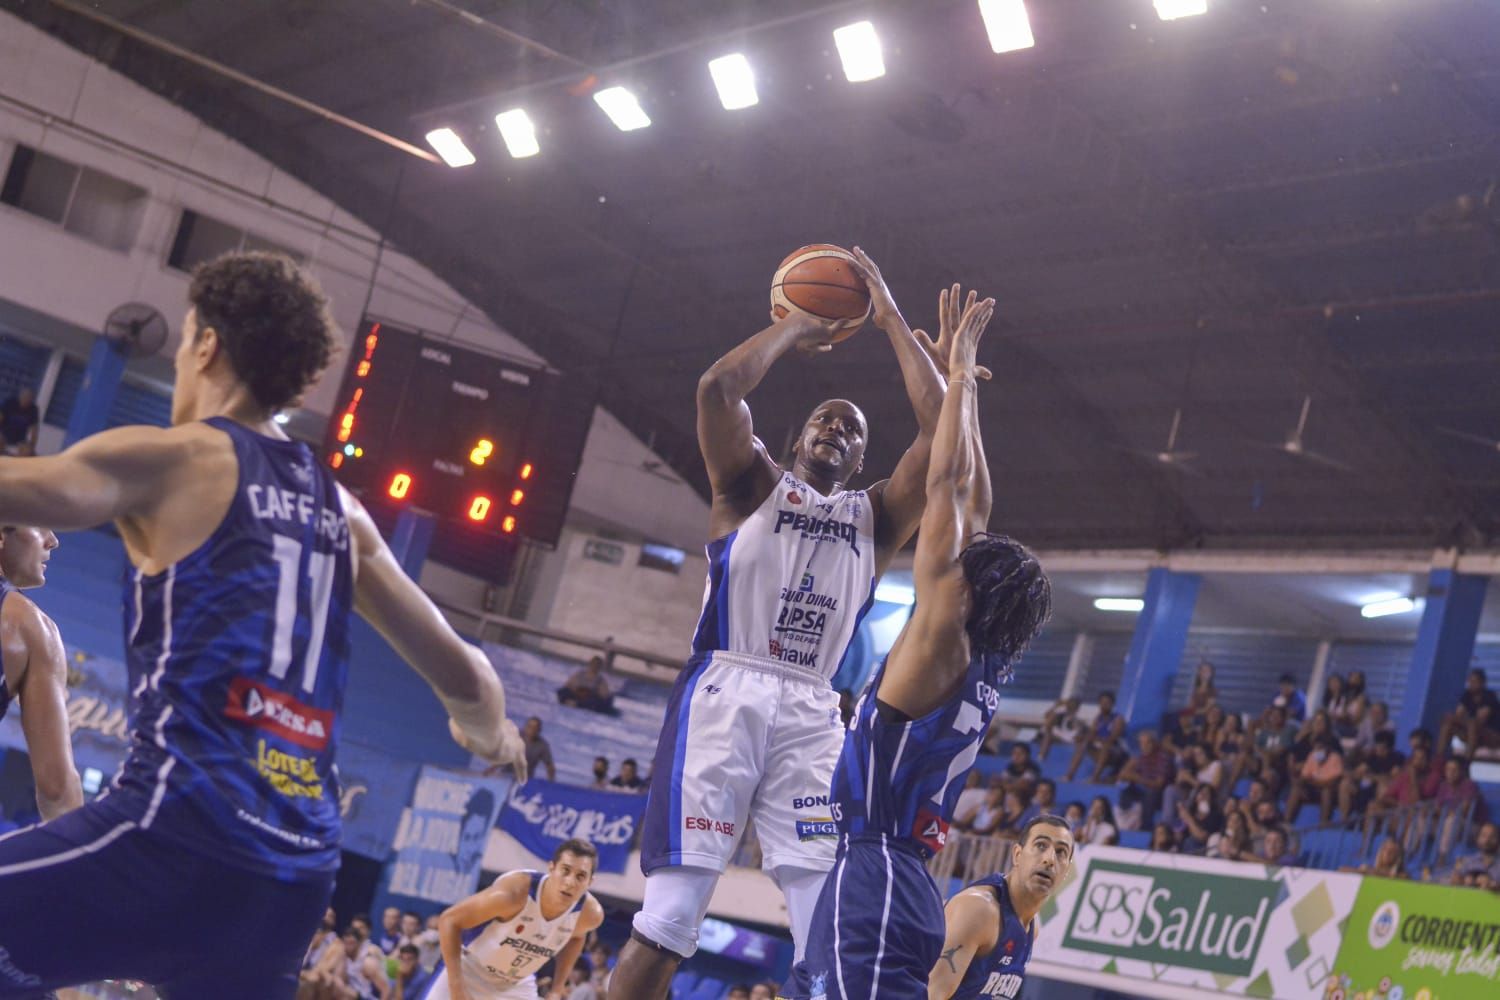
(966, 338)
(950, 314)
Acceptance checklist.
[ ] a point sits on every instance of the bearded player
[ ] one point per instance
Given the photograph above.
(753, 729)
(249, 561)
(34, 669)
(992, 923)
(494, 941)
(981, 599)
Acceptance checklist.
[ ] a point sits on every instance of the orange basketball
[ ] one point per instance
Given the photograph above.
(820, 280)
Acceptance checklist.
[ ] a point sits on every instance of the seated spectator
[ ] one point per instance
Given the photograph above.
(1318, 778)
(1480, 869)
(1013, 807)
(1344, 698)
(411, 980)
(364, 967)
(1289, 698)
(1164, 839)
(627, 780)
(1022, 773)
(991, 812)
(1377, 720)
(588, 688)
(1100, 827)
(1254, 795)
(1456, 787)
(411, 928)
(764, 991)
(970, 800)
(1318, 726)
(1043, 802)
(1390, 861)
(739, 991)
(1274, 849)
(1234, 843)
(1103, 739)
(1058, 725)
(1413, 783)
(601, 772)
(1369, 778)
(1198, 820)
(1075, 815)
(1475, 720)
(390, 930)
(323, 940)
(430, 943)
(19, 419)
(1227, 739)
(1150, 771)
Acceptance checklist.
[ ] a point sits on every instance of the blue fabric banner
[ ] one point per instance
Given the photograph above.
(441, 839)
(375, 787)
(542, 814)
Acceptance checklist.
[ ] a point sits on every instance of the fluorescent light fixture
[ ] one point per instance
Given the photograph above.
(1007, 24)
(1171, 10)
(895, 593)
(1119, 604)
(859, 50)
(518, 132)
(282, 418)
(735, 81)
(450, 147)
(622, 107)
(1391, 606)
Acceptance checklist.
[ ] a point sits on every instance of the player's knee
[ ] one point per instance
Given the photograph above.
(673, 932)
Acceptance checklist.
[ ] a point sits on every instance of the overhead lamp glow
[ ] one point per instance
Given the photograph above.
(1007, 24)
(622, 107)
(895, 593)
(1171, 10)
(518, 132)
(282, 418)
(1393, 606)
(859, 50)
(1134, 604)
(450, 147)
(735, 81)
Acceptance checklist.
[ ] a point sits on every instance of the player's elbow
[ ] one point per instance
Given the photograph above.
(58, 792)
(713, 390)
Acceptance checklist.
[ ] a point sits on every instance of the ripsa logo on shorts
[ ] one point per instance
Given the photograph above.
(1193, 919)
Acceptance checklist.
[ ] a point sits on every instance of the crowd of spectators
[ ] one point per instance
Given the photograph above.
(394, 962)
(1216, 783)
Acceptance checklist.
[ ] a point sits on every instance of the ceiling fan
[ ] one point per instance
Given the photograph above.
(1170, 456)
(1490, 443)
(1293, 444)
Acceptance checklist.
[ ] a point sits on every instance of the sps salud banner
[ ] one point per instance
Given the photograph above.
(542, 814)
(1421, 942)
(441, 838)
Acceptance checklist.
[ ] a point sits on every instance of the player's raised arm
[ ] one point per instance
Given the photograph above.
(110, 476)
(460, 674)
(726, 434)
(972, 920)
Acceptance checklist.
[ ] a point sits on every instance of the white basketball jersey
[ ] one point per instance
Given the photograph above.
(794, 580)
(507, 951)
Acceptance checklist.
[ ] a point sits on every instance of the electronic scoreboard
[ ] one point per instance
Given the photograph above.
(489, 447)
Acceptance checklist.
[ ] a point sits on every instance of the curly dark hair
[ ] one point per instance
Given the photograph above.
(272, 319)
(1012, 597)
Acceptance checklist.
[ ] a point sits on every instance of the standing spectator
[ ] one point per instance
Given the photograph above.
(601, 772)
(1199, 819)
(1101, 738)
(1290, 698)
(1482, 868)
(588, 688)
(627, 780)
(390, 930)
(1058, 725)
(1368, 778)
(1318, 778)
(411, 980)
(1022, 773)
(538, 750)
(1475, 720)
(1150, 771)
(1234, 843)
(19, 419)
(1164, 839)
(1100, 827)
(1274, 849)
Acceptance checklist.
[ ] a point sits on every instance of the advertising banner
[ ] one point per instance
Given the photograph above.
(1419, 942)
(1197, 924)
(542, 814)
(374, 787)
(441, 839)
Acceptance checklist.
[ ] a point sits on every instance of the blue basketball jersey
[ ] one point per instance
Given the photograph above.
(1001, 972)
(902, 777)
(237, 657)
(6, 695)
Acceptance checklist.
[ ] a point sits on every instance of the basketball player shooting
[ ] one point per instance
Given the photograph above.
(494, 941)
(752, 728)
(34, 669)
(992, 923)
(981, 598)
(206, 866)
